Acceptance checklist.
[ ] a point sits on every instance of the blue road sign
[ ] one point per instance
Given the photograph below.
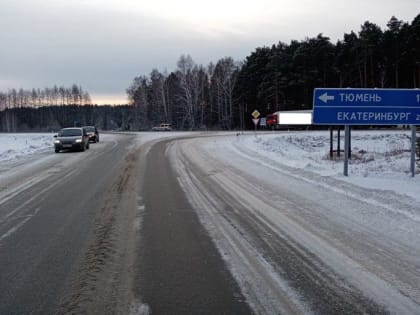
(366, 106)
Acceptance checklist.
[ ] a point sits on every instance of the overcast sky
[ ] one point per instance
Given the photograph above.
(103, 44)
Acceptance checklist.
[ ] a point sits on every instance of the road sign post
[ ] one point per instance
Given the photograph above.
(255, 120)
(346, 149)
(367, 107)
(413, 150)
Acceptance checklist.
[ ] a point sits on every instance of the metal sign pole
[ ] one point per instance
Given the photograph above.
(349, 142)
(346, 149)
(413, 150)
(338, 142)
(331, 142)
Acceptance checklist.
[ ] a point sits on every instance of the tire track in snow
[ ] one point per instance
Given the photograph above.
(239, 193)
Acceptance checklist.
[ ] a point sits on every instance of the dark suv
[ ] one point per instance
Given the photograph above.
(93, 133)
(72, 139)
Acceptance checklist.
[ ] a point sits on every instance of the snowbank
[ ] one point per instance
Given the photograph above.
(380, 158)
(19, 145)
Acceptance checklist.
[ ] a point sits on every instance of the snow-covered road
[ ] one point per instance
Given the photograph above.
(297, 235)
(298, 241)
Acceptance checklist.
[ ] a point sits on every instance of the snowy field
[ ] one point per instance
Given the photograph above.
(16, 146)
(380, 159)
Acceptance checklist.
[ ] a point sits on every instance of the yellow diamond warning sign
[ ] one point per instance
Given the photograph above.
(255, 114)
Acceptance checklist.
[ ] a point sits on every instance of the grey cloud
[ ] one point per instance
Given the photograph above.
(101, 50)
(49, 42)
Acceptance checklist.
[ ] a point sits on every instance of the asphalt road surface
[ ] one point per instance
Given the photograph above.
(142, 224)
(49, 213)
(75, 237)
(180, 270)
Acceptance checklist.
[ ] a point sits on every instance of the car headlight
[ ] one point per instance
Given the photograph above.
(57, 141)
(78, 140)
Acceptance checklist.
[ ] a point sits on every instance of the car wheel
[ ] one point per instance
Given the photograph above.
(57, 150)
(87, 147)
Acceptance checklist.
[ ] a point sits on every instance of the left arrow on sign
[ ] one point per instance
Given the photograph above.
(325, 97)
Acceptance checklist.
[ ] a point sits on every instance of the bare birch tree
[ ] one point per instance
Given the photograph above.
(223, 82)
(185, 77)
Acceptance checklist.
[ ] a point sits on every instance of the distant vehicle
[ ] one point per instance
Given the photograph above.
(162, 127)
(71, 139)
(298, 119)
(271, 120)
(93, 133)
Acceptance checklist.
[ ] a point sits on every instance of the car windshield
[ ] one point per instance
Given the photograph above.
(70, 133)
(90, 129)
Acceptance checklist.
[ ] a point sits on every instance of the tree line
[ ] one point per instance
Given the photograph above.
(280, 77)
(192, 97)
(25, 110)
(53, 118)
(36, 98)
(222, 95)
